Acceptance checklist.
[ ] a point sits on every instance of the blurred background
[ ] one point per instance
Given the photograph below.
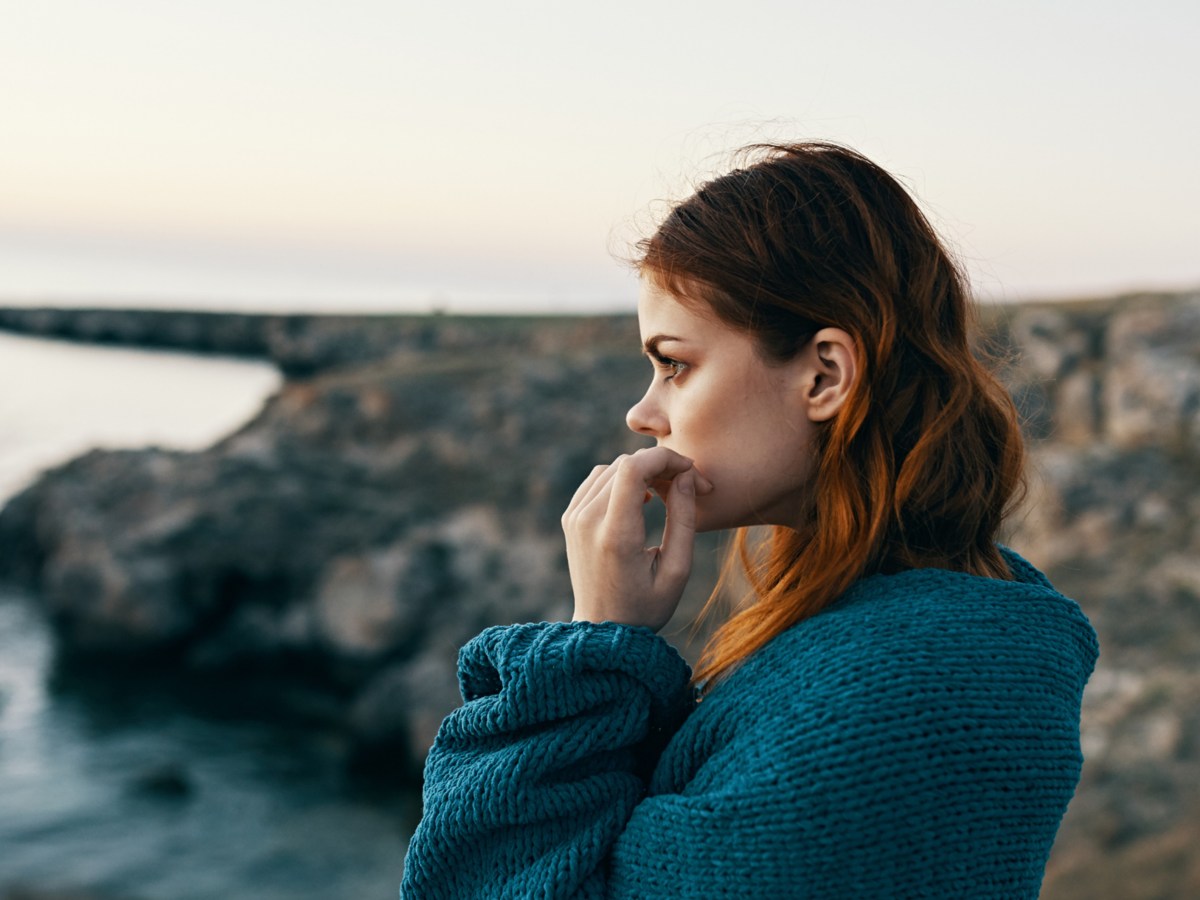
(310, 324)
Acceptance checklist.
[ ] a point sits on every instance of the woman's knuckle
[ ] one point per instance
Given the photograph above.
(610, 542)
(635, 462)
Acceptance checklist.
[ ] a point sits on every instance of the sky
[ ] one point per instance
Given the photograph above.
(365, 155)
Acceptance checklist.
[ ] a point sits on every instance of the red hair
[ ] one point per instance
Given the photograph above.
(925, 459)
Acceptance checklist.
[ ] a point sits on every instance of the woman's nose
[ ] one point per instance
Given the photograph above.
(645, 417)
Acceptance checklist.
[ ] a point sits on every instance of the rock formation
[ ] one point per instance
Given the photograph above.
(299, 344)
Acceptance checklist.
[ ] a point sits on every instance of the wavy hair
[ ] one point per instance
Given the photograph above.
(924, 460)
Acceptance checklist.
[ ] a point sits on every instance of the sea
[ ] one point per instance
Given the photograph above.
(112, 787)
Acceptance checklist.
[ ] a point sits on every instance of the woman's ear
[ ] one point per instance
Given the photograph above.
(831, 370)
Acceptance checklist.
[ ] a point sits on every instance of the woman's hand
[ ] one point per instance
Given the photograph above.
(615, 577)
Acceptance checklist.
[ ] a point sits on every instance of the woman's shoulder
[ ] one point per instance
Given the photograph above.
(928, 713)
(956, 613)
(930, 632)
(908, 670)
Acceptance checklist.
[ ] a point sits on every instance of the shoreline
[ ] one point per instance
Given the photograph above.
(300, 344)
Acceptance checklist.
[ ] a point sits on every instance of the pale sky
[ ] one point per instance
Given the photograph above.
(485, 155)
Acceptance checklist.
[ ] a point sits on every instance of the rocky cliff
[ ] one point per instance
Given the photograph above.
(401, 493)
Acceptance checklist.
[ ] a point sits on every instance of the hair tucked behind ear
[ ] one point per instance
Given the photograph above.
(924, 460)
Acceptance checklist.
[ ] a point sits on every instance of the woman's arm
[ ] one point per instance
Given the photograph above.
(530, 783)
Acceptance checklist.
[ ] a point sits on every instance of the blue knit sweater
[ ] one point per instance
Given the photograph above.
(920, 738)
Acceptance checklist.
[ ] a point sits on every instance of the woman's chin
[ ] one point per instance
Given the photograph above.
(713, 520)
(709, 519)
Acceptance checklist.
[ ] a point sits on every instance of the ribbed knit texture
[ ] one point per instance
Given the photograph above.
(918, 739)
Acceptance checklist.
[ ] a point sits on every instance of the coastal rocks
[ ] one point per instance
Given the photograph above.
(1152, 394)
(302, 345)
(363, 527)
(1087, 502)
(1051, 342)
(398, 712)
(197, 332)
(1125, 372)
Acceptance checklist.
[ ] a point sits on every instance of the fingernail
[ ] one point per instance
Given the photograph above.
(704, 484)
(686, 483)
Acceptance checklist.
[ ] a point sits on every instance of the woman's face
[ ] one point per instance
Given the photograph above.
(714, 399)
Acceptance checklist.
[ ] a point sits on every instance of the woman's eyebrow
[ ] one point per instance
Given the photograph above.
(651, 343)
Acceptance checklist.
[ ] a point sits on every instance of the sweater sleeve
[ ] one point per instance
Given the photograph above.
(530, 783)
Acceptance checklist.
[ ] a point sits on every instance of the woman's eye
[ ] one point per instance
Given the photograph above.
(671, 367)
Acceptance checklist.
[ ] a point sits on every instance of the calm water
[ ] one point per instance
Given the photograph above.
(58, 399)
(113, 785)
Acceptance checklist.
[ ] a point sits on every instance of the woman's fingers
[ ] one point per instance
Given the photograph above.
(637, 469)
(613, 575)
(592, 486)
(679, 535)
(648, 468)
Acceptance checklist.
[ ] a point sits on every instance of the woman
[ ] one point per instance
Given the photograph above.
(896, 711)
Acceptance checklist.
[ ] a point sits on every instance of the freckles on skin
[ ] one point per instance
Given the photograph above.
(746, 411)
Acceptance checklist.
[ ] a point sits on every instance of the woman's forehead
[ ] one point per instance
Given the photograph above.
(661, 312)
